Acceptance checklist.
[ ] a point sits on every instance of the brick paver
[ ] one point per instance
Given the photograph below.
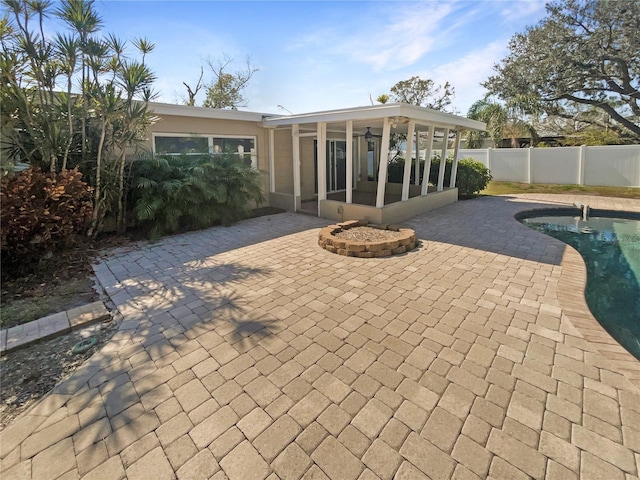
(249, 352)
(51, 325)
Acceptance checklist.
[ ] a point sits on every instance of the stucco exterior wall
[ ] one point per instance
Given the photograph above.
(392, 213)
(207, 126)
(283, 162)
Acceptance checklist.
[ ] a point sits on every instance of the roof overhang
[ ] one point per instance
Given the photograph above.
(372, 116)
(205, 112)
(362, 117)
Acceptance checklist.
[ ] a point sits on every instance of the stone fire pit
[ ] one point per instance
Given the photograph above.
(356, 238)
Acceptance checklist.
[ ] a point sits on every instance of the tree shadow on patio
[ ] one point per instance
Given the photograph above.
(247, 333)
(116, 391)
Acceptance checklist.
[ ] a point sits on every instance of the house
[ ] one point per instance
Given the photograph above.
(327, 163)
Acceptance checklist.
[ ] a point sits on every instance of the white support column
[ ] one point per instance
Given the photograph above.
(272, 161)
(384, 162)
(416, 171)
(427, 162)
(322, 163)
(454, 167)
(295, 132)
(349, 140)
(443, 160)
(406, 179)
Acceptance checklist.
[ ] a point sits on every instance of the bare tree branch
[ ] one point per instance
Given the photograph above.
(191, 101)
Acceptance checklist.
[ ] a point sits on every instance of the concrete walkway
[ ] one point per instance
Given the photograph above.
(249, 353)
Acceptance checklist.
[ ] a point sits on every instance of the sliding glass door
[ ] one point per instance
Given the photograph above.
(336, 165)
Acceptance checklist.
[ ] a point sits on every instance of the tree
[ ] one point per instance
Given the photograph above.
(424, 93)
(491, 113)
(31, 111)
(584, 55)
(420, 92)
(503, 121)
(83, 20)
(95, 128)
(192, 92)
(593, 137)
(226, 89)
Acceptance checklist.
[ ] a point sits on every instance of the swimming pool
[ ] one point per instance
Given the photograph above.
(610, 246)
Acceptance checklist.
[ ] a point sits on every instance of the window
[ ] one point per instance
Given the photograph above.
(181, 145)
(186, 144)
(245, 148)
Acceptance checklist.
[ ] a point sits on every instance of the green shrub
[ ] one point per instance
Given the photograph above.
(395, 170)
(174, 194)
(473, 177)
(42, 213)
(435, 170)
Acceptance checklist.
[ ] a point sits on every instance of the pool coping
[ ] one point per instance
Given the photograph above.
(571, 295)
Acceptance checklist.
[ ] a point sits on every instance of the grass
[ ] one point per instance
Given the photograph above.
(505, 188)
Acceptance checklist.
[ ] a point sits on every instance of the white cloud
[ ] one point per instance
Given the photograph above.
(466, 73)
(409, 33)
(387, 37)
(523, 9)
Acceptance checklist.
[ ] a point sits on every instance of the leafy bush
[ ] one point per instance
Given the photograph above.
(435, 170)
(174, 194)
(42, 213)
(473, 177)
(395, 170)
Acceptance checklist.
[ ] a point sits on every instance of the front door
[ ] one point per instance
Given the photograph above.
(336, 165)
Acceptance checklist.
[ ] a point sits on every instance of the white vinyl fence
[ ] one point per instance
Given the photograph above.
(610, 165)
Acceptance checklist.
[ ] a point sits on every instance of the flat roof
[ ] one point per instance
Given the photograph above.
(368, 116)
(206, 112)
(372, 116)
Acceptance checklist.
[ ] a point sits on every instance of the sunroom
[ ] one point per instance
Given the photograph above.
(334, 164)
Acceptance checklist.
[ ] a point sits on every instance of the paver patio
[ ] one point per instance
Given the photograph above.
(249, 352)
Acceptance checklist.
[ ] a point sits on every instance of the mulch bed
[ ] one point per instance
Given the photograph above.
(31, 372)
(366, 234)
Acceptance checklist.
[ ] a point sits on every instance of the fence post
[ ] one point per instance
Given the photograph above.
(529, 155)
(581, 159)
(489, 158)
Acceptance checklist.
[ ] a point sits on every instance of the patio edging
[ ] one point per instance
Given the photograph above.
(52, 325)
(570, 293)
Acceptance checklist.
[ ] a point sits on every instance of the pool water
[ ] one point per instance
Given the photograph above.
(611, 250)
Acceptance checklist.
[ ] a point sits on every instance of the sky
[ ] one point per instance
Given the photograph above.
(321, 55)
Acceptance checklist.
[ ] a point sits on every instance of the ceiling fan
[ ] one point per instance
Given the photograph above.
(368, 136)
